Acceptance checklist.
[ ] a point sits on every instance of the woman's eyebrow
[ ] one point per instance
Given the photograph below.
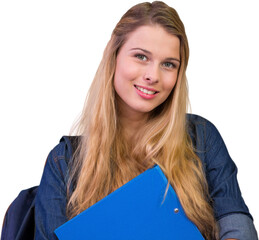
(148, 52)
(144, 50)
(173, 59)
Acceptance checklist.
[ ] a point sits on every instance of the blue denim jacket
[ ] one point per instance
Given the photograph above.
(231, 212)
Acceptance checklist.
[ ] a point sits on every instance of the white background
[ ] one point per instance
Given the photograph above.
(50, 50)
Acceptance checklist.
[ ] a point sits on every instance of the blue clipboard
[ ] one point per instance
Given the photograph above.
(135, 211)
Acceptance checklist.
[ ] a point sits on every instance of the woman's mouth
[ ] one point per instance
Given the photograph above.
(145, 93)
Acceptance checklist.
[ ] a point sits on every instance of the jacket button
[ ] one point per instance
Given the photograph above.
(176, 210)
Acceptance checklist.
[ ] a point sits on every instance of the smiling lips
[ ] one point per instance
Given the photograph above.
(145, 93)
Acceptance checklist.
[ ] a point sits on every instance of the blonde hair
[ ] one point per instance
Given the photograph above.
(103, 161)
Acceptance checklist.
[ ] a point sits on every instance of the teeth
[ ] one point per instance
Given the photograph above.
(145, 90)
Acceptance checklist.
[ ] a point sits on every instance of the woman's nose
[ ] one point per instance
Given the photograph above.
(151, 75)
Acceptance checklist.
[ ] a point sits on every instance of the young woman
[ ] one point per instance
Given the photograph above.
(135, 117)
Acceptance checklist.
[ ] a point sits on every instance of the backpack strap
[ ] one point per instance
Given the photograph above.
(74, 140)
(72, 143)
(19, 222)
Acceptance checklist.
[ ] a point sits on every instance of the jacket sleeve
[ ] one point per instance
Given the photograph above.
(221, 174)
(229, 206)
(238, 226)
(50, 202)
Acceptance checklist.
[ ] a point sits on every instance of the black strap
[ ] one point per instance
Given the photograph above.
(74, 142)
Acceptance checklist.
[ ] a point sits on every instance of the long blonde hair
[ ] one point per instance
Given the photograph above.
(104, 161)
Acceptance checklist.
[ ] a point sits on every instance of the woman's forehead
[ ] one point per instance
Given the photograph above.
(154, 39)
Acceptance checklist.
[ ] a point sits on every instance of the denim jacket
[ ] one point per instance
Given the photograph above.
(230, 210)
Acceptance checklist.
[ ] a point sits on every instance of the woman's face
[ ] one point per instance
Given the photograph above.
(146, 69)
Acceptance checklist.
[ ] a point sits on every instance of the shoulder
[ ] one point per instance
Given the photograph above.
(207, 141)
(66, 147)
(61, 155)
(198, 122)
(202, 131)
(51, 197)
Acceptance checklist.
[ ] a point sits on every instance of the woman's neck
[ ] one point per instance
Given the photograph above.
(131, 122)
(131, 125)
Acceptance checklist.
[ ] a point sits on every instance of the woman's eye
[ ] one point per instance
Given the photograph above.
(169, 65)
(141, 57)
